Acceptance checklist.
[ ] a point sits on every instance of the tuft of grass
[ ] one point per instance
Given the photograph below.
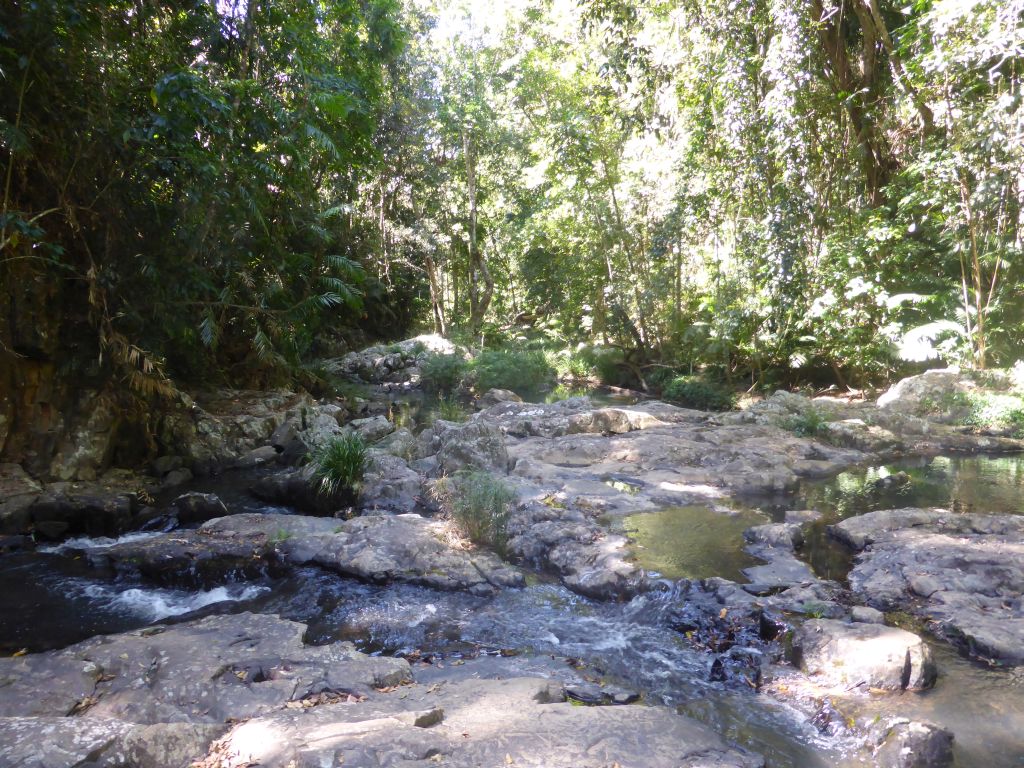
(339, 465)
(810, 423)
(450, 409)
(481, 505)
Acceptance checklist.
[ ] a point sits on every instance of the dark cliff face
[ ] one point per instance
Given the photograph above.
(62, 414)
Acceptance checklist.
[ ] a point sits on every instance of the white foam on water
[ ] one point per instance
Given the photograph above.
(95, 543)
(156, 604)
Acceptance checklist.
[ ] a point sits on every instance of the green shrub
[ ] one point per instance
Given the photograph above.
(339, 464)
(810, 423)
(609, 364)
(518, 370)
(571, 366)
(695, 392)
(481, 505)
(442, 373)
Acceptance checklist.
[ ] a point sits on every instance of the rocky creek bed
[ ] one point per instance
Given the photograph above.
(246, 626)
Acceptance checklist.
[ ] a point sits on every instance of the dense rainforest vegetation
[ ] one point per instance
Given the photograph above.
(757, 191)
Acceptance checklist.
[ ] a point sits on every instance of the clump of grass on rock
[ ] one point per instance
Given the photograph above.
(339, 465)
(480, 504)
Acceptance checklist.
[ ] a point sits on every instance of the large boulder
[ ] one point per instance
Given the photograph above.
(377, 548)
(848, 656)
(472, 445)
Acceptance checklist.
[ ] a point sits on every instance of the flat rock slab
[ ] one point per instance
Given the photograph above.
(473, 723)
(963, 572)
(380, 548)
(55, 742)
(207, 672)
(837, 654)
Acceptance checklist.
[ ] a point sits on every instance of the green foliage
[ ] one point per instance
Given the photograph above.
(443, 373)
(521, 371)
(339, 464)
(697, 392)
(450, 409)
(481, 504)
(571, 366)
(985, 410)
(811, 423)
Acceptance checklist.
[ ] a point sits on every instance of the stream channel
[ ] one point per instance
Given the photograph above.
(51, 597)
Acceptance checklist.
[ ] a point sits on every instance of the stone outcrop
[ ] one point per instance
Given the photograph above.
(377, 548)
(964, 572)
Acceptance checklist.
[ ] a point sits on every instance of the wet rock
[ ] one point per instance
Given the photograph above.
(257, 457)
(201, 672)
(597, 695)
(963, 572)
(866, 615)
(18, 492)
(163, 465)
(87, 509)
(906, 744)
(837, 654)
(198, 507)
(483, 723)
(497, 396)
(782, 535)
(802, 516)
(380, 548)
(176, 477)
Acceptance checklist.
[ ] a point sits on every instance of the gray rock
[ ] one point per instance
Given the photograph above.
(782, 535)
(63, 742)
(907, 744)
(960, 571)
(867, 615)
(498, 396)
(198, 507)
(612, 421)
(472, 723)
(372, 429)
(379, 548)
(176, 477)
(201, 672)
(165, 464)
(389, 484)
(18, 492)
(257, 457)
(472, 445)
(847, 656)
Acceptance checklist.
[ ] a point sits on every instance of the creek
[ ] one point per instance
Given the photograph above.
(51, 597)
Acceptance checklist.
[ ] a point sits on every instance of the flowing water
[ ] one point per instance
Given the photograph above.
(51, 597)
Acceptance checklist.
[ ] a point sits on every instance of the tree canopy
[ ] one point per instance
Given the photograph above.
(760, 190)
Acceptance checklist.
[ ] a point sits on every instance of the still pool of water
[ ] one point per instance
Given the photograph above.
(693, 542)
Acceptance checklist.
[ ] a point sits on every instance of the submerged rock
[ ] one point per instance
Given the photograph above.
(906, 744)
(849, 656)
